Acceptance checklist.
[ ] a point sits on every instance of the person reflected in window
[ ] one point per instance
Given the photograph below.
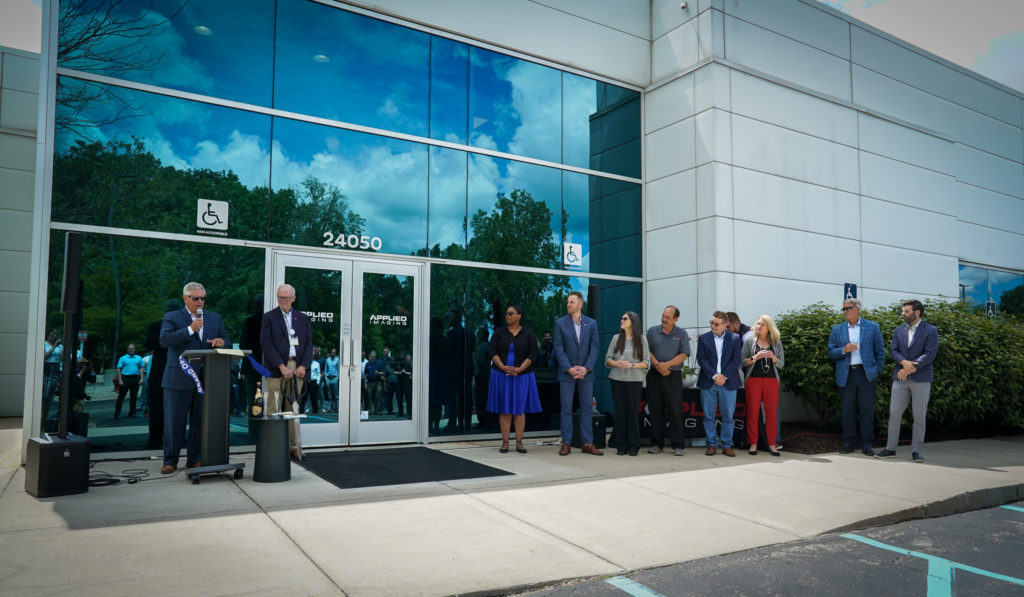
(629, 358)
(129, 374)
(376, 377)
(762, 357)
(332, 368)
(481, 378)
(52, 351)
(512, 390)
(403, 388)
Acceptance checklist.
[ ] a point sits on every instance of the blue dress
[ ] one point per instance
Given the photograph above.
(512, 394)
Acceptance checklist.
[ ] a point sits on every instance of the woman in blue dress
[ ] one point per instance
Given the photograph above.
(512, 388)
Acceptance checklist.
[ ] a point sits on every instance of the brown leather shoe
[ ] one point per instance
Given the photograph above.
(195, 464)
(710, 451)
(168, 469)
(728, 452)
(565, 449)
(591, 449)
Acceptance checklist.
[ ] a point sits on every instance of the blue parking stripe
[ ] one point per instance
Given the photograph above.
(940, 570)
(1017, 508)
(632, 587)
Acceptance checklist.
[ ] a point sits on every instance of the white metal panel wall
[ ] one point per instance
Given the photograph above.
(606, 37)
(19, 92)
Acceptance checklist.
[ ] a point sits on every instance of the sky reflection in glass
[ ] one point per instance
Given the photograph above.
(201, 47)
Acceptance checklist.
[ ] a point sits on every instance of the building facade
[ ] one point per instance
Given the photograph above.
(413, 168)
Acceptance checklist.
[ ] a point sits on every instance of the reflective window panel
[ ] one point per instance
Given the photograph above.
(338, 188)
(128, 284)
(221, 49)
(467, 304)
(136, 160)
(348, 67)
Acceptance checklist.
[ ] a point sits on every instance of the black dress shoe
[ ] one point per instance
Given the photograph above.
(620, 451)
(868, 452)
(634, 451)
(845, 450)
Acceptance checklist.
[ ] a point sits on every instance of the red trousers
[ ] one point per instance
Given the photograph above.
(764, 389)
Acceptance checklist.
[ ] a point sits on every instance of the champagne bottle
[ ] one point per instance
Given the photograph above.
(257, 403)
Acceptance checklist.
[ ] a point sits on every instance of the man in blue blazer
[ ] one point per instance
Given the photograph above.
(180, 330)
(718, 355)
(575, 350)
(286, 339)
(914, 345)
(859, 352)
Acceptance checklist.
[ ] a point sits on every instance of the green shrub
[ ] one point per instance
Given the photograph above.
(979, 368)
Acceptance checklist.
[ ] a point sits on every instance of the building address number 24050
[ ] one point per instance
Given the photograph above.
(352, 241)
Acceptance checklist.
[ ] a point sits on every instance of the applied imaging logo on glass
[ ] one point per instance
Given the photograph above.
(211, 216)
(572, 254)
(389, 320)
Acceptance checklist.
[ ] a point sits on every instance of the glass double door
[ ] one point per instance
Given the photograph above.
(364, 316)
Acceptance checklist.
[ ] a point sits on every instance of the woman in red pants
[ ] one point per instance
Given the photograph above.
(762, 357)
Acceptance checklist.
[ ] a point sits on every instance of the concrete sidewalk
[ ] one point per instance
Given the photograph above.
(556, 518)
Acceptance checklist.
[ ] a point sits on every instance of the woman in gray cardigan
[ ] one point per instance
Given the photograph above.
(629, 358)
(761, 358)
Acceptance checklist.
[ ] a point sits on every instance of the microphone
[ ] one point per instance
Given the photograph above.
(199, 312)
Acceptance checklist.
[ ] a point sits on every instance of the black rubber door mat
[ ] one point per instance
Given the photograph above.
(393, 466)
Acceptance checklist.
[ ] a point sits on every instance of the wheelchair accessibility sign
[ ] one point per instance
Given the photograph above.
(572, 254)
(211, 215)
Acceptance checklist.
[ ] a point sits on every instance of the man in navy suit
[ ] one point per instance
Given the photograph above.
(859, 352)
(180, 330)
(286, 339)
(718, 355)
(914, 345)
(576, 351)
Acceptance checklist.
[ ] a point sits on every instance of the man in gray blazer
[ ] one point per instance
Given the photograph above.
(914, 345)
(576, 349)
(186, 329)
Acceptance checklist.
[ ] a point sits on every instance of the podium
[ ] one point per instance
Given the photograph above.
(216, 378)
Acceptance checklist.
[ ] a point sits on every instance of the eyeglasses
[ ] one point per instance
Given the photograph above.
(624, 318)
(849, 308)
(510, 314)
(284, 298)
(196, 298)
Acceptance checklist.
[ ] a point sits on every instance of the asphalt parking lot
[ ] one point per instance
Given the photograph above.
(974, 553)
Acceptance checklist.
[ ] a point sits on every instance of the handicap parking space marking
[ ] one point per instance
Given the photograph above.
(940, 570)
(632, 587)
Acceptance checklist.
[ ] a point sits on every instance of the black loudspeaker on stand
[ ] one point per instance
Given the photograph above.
(58, 463)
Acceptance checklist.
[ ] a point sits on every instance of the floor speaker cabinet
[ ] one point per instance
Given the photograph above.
(55, 466)
(600, 426)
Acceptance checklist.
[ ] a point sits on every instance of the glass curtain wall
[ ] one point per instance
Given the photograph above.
(992, 289)
(309, 125)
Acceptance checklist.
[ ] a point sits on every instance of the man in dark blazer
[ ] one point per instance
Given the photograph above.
(914, 345)
(575, 349)
(718, 355)
(286, 339)
(859, 352)
(181, 330)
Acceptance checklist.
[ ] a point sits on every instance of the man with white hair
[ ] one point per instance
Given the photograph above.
(286, 338)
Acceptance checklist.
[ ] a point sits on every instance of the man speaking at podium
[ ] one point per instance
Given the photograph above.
(190, 328)
(287, 341)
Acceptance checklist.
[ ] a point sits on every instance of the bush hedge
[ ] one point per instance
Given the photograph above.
(979, 368)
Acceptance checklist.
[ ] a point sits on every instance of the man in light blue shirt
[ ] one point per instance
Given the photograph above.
(129, 374)
(859, 352)
(331, 372)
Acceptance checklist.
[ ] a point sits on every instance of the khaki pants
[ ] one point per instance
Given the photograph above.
(274, 386)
